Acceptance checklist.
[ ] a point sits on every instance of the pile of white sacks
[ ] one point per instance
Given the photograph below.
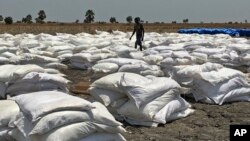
(140, 100)
(150, 82)
(39, 108)
(162, 49)
(212, 83)
(20, 79)
(112, 65)
(53, 115)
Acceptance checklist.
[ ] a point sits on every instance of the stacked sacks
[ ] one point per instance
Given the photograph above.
(154, 100)
(63, 53)
(220, 54)
(51, 115)
(86, 59)
(112, 65)
(6, 53)
(212, 83)
(9, 110)
(44, 61)
(20, 79)
(34, 81)
(176, 59)
(142, 69)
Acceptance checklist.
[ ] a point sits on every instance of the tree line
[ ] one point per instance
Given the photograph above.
(89, 18)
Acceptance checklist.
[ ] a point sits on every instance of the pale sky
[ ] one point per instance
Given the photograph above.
(148, 10)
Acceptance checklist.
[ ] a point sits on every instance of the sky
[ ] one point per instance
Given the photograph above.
(148, 10)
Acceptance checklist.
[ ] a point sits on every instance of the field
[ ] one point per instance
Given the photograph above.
(208, 123)
(54, 28)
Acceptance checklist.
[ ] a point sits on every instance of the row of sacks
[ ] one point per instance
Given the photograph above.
(87, 59)
(113, 65)
(212, 83)
(39, 58)
(154, 100)
(53, 115)
(163, 49)
(20, 79)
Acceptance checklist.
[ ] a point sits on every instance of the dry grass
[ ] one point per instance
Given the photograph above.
(53, 28)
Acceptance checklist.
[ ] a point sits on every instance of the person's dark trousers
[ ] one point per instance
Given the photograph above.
(138, 42)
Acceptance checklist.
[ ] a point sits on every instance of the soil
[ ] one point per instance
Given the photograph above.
(208, 123)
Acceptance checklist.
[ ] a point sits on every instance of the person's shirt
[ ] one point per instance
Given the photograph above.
(138, 29)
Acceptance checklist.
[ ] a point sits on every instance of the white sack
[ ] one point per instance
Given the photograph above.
(8, 111)
(33, 104)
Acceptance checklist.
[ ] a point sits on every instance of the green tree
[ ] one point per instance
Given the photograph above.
(129, 19)
(89, 16)
(29, 18)
(24, 20)
(112, 20)
(1, 18)
(185, 20)
(41, 16)
(8, 20)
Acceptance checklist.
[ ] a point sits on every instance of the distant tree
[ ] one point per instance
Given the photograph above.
(77, 21)
(129, 19)
(89, 16)
(230, 22)
(185, 20)
(41, 16)
(8, 20)
(29, 18)
(1, 18)
(246, 21)
(112, 20)
(174, 22)
(24, 20)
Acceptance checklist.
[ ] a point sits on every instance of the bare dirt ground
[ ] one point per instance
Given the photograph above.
(53, 28)
(208, 123)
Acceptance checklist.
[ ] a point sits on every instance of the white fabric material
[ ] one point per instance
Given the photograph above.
(35, 81)
(122, 61)
(68, 125)
(153, 59)
(142, 69)
(28, 87)
(33, 104)
(4, 60)
(224, 84)
(71, 132)
(8, 111)
(42, 77)
(112, 81)
(142, 92)
(147, 96)
(105, 67)
(28, 58)
(99, 115)
(105, 96)
(13, 72)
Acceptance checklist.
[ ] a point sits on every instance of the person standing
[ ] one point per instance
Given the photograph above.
(139, 30)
